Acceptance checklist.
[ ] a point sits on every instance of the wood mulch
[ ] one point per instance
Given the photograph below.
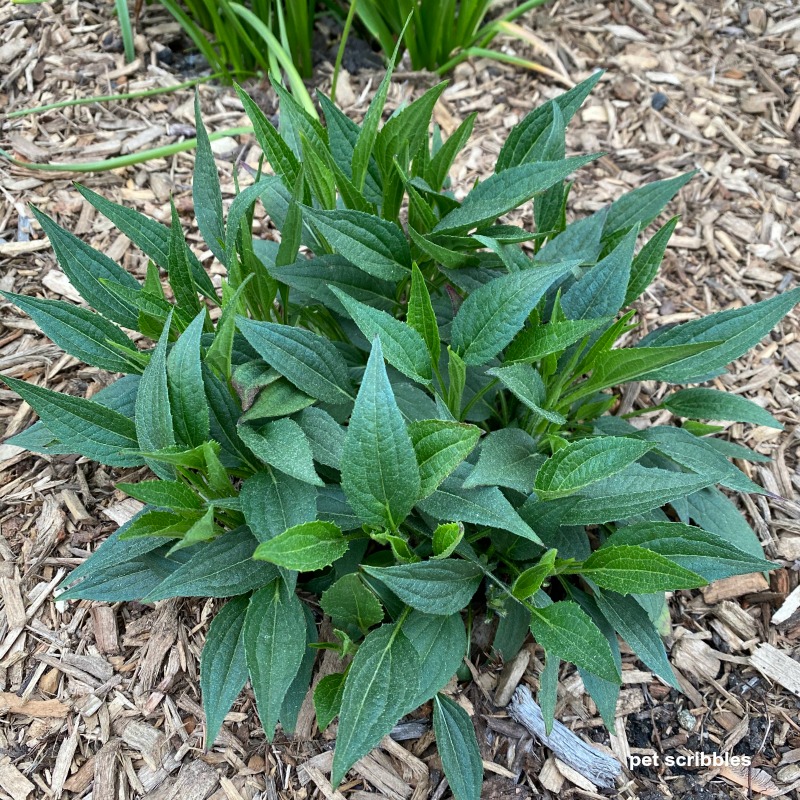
(103, 701)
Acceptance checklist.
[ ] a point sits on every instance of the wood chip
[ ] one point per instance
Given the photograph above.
(11, 703)
(737, 586)
(12, 781)
(510, 677)
(777, 666)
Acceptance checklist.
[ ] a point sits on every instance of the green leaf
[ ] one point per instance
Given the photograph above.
(458, 749)
(223, 567)
(421, 316)
(526, 384)
(509, 457)
(278, 154)
(641, 206)
(82, 333)
(484, 505)
(114, 550)
(180, 273)
(381, 681)
(298, 689)
(125, 580)
(733, 332)
(631, 622)
(440, 446)
(187, 399)
(350, 602)
(279, 398)
(85, 267)
(342, 137)
(534, 343)
(579, 464)
(600, 292)
(273, 502)
(306, 547)
(630, 569)
(309, 361)
(206, 192)
(223, 667)
(648, 260)
(407, 130)
(492, 315)
(524, 136)
(697, 455)
(365, 142)
(325, 435)
(714, 512)
(83, 426)
(701, 403)
(201, 530)
(283, 445)
(154, 429)
(380, 476)
(328, 698)
(273, 648)
(163, 494)
(512, 628)
(507, 190)
(692, 548)
(435, 587)
(446, 538)
(151, 237)
(529, 582)
(402, 346)
(161, 523)
(316, 277)
(548, 689)
(441, 644)
(437, 170)
(633, 363)
(633, 491)
(376, 246)
(566, 631)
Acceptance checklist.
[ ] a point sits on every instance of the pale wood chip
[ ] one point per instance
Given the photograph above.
(13, 782)
(47, 709)
(777, 666)
(753, 779)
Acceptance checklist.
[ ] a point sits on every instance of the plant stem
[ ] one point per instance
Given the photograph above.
(125, 161)
(340, 52)
(110, 98)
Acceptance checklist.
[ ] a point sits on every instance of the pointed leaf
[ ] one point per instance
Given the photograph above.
(492, 315)
(380, 476)
(578, 464)
(381, 681)
(458, 749)
(565, 630)
(223, 668)
(306, 547)
(273, 648)
(309, 361)
(435, 587)
(440, 446)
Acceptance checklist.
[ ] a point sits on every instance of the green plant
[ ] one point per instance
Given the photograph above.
(240, 38)
(442, 33)
(399, 412)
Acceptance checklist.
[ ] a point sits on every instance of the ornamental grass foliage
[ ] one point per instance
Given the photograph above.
(399, 416)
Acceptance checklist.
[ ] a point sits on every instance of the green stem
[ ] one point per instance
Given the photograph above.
(125, 161)
(477, 396)
(110, 98)
(340, 52)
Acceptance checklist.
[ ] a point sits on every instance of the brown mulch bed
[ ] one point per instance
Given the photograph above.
(103, 701)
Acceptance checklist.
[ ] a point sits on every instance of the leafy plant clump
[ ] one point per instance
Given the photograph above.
(399, 416)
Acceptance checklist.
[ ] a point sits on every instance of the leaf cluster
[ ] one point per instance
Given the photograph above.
(398, 412)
